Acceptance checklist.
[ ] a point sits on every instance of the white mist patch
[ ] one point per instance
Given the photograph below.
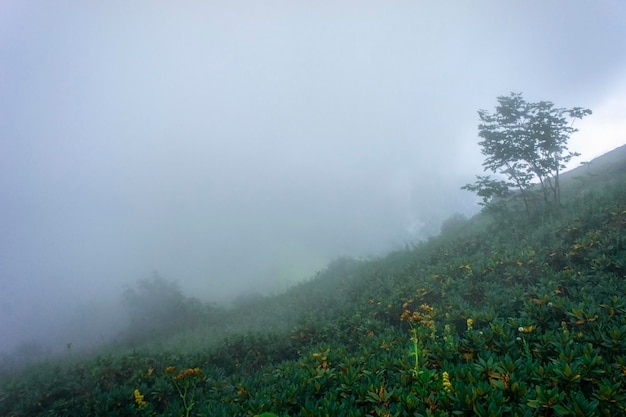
(604, 130)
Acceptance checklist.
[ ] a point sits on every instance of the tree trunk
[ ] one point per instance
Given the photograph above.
(557, 186)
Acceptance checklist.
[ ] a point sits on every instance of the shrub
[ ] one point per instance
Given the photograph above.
(158, 307)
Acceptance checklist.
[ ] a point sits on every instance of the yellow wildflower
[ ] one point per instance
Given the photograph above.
(470, 324)
(139, 399)
(426, 308)
(188, 373)
(447, 385)
(405, 315)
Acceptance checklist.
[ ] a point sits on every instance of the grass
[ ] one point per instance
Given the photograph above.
(515, 316)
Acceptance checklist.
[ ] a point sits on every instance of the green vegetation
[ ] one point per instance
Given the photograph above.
(501, 315)
(525, 142)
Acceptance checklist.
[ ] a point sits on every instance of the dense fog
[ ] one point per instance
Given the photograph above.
(239, 146)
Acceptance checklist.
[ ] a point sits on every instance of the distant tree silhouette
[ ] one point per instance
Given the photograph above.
(157, 305)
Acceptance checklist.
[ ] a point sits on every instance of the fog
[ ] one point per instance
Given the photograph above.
(241, 145)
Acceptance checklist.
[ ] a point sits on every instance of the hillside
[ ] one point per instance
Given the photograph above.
(607, 168)
(514, 316)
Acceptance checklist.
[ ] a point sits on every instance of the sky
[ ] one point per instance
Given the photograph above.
(241, 145)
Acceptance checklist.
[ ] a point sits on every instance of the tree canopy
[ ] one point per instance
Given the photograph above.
(525, 142)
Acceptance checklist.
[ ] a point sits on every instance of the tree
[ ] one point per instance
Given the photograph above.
(525, 142)
(158, 306)
(453, 224)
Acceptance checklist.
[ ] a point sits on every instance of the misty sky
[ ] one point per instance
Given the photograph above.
(240, 144)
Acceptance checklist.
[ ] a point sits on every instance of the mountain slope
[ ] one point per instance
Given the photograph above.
(518, 317)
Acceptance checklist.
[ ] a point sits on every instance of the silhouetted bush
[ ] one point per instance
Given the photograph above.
(453, 223)
(157, 306)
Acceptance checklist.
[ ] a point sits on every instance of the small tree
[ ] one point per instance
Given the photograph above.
(157, 306)
(524, 142)
(453, 224)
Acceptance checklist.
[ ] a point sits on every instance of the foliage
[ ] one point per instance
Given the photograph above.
(158, 307)
(525, 141)
(454, 223)
(479, 323)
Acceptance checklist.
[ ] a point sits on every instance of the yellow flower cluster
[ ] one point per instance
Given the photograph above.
(187, 382)
(188, 373)
(426, 308)
(470, 324)
(414, 317)
(139, 399)
(447, 385)
(423, 317)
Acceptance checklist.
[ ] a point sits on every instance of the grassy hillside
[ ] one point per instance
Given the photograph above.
(515, 316)
(606, 169)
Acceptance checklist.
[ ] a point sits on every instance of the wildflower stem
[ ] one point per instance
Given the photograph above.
(183, 396)
(416, 366)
